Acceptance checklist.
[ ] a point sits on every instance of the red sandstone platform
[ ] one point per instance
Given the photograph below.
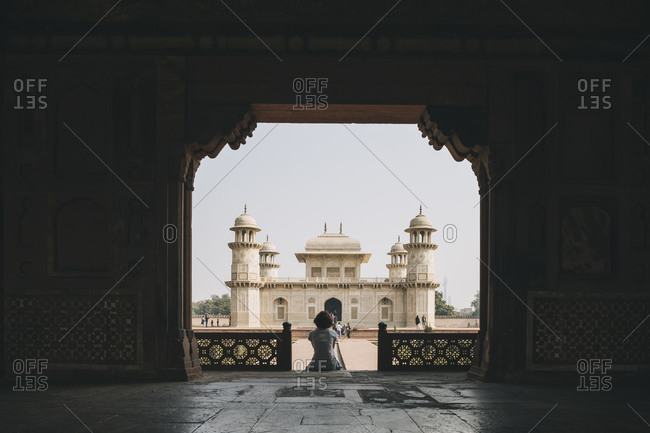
(364, 333)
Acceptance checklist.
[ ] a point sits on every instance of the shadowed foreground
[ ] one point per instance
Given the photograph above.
(328, 402)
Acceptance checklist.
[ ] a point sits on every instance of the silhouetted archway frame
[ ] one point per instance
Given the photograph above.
(461, 130)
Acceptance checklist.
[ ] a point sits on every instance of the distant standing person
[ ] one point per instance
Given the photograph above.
(424, 321)
(349, 330)
(217, 323)
(206, 320)
(417, 321)
(212, 323)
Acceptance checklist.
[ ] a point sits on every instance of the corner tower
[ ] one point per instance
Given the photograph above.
(268, 266)
(245, 279)
(398, 262)
(420, 287)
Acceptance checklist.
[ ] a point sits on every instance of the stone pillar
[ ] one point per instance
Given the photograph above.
(500, 227)
(176, 353)
(186, 147)
(478, 360)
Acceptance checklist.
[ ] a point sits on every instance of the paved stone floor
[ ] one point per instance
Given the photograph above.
(341, 401)
(301, 352)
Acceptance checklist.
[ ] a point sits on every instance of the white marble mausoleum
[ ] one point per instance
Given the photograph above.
(332, 280)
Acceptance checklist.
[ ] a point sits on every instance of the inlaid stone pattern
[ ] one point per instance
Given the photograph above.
(432, 352)
(234, 353)
(107, 334)
(590, 328)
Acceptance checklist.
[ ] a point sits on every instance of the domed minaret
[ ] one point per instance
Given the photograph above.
(245, 280)
(398, 261)
(420, 287)
(268, 267)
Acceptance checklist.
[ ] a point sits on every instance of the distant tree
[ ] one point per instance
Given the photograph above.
(442, 308)
(223, 305)
(476, 304)
(214, 305)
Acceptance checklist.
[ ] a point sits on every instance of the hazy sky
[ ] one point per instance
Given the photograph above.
(302, 175)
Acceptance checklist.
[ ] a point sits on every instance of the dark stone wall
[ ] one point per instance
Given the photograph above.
(90, 181)
(80, 212)
(569, 239)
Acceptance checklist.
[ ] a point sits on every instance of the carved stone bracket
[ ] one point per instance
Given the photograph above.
(469, 121)
(233, 132)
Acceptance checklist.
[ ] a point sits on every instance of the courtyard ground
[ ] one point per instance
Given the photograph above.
(356, 354)
(342, 401)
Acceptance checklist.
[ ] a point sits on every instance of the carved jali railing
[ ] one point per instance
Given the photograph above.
(245, 350)
(424, 351)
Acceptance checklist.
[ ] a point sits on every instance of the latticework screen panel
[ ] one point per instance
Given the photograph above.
(587, 327)
(431, 352)
(238, 351)
(72, 329)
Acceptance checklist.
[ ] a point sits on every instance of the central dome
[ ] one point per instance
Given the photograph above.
(333, 242)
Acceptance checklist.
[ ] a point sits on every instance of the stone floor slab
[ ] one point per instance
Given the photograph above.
(357, 401)
(392, 418)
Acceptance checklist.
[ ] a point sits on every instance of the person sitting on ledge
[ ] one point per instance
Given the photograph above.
(323, 339)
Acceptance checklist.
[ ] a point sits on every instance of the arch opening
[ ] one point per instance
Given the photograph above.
(334, 306)
(353, 310)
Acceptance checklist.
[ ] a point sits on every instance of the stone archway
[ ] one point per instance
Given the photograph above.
(167, 91)
(438, 124)
(335, 307)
